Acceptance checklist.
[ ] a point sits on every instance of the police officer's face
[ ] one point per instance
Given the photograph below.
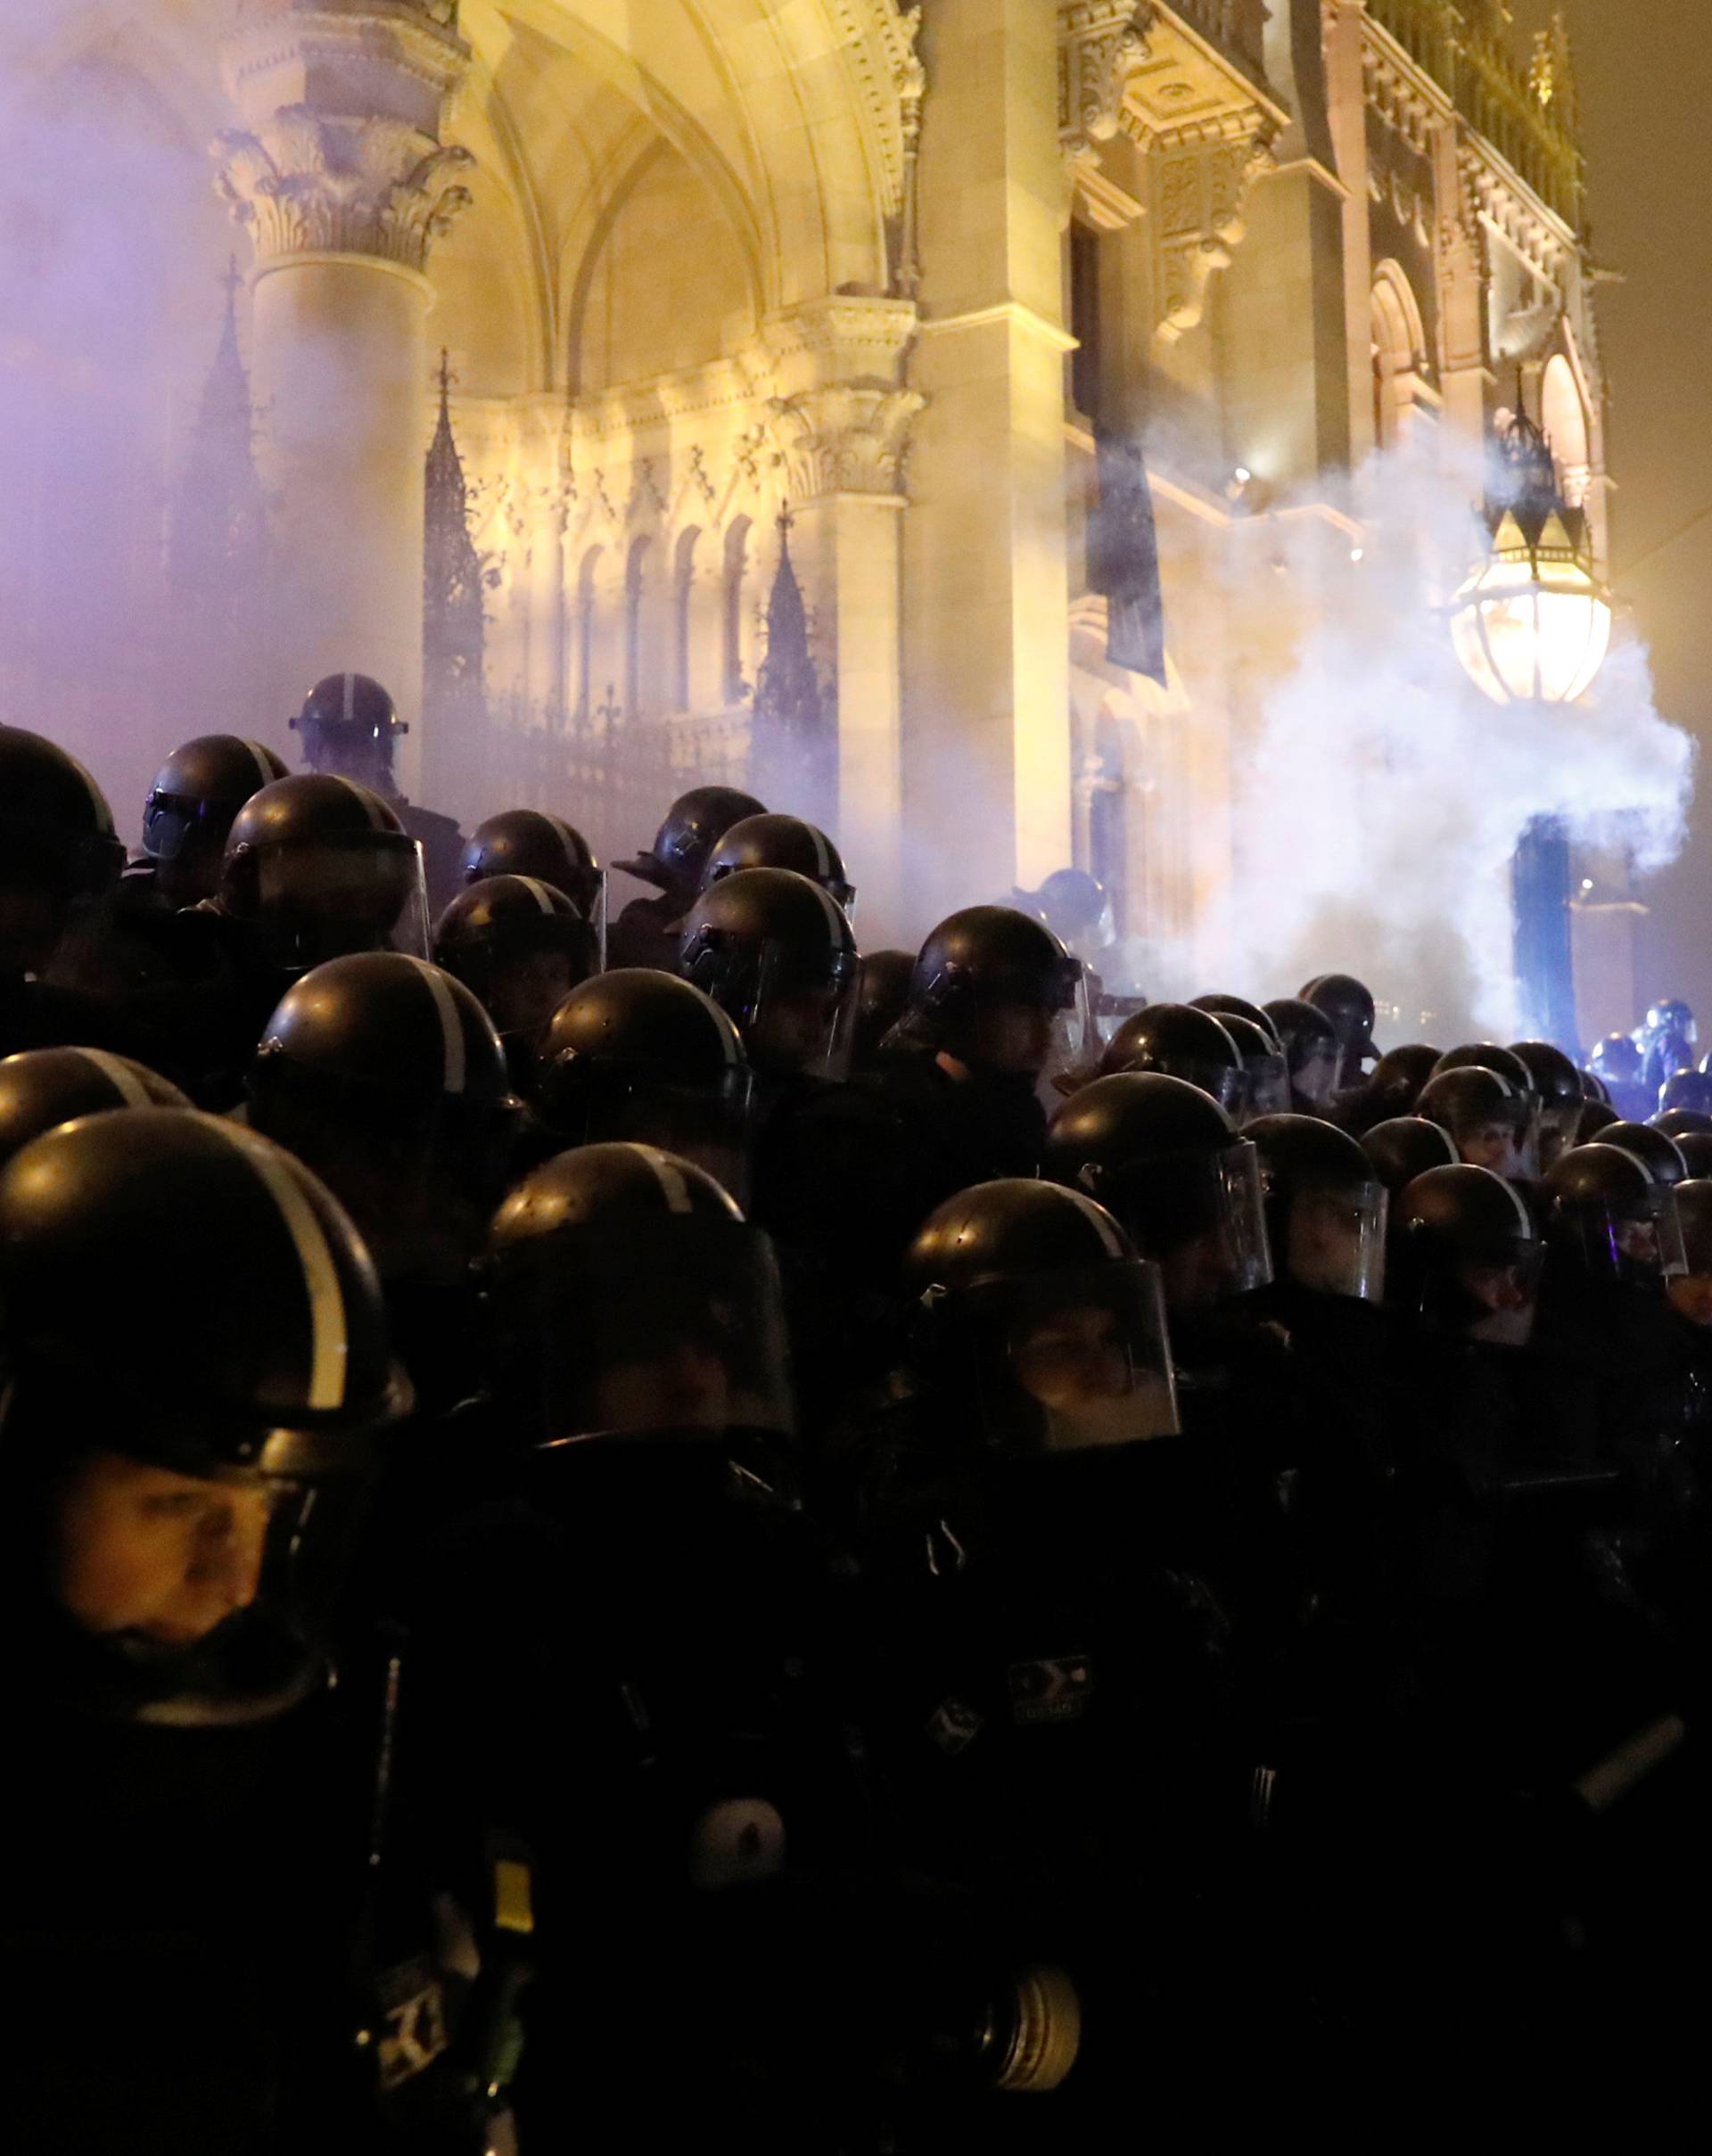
(166, 1557)
(1073, 1358)
(1489, 1145)
(526, 991)
(1325, 1243)
(1317, 1080)
(1012, 1037)
(682, 1385)
(792, 1033)
(1557, 1128)
(1506, 1295)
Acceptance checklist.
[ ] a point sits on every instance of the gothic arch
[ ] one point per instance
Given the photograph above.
(1399, 339)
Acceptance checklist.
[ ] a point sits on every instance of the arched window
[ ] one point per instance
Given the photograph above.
(683, 625)
(1563, 420)
(1399, 354)
(736, 575)
(635, 571)
(586, 577)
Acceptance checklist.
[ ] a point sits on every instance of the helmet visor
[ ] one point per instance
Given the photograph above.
(1086, 1363)
(1072, 1045)
(328, 898)
(1315, 1081)
(711, 1125)
(675, 1325)
(798, 1020)
(1201, 1216)
(195, 1599)
(1335, 1240)
(1266, 1088)
(1640, 1242)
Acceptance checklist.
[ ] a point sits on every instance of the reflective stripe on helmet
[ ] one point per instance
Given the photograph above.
(329, 1339)
(119, 1075)
(822, 851)
(835, 914)
(539, 892)
(451, 1025)
(264, 769)
(350, 700)
(670, 1178)
(1104, 1226)
(372, 807)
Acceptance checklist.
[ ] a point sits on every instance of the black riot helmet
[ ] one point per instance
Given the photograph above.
(1222, 1006)
(1489, 1117)
(520, 946)
(1487, 1056)
(1465, 1252)
(1348, 1003)
(1657, 1151)
(1617, 1061)
(1696, 1149)
(1596, 1116)
(1606, 1213)
(999, 991)
(196, 793)
(350, 724)
(385, 1075)
(1183, 1043)
(1311, 1044)
(881, 994)
(179, 1523)
(1558, 1085)
(323, 867)
(44, 1087)
(642, 1055)
(529, 841)
(1265, 1067)
(1686, 1092)
(1074, 905)
(1406, 1146)
(772, 840)
(1681, 1122)
(1035, 1312)
(776, 953)
(1672, 1015)
(631, 1300)
(695, 824)
(1395, 1082)
(1164, 1158)
(1325, 1205)
(57, 846)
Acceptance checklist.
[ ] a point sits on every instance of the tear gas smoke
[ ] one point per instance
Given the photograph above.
(1379, 797)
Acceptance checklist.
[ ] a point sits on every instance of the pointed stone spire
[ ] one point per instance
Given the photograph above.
(217, 537)
(794, 732)
(453, 620)
(1552, 74)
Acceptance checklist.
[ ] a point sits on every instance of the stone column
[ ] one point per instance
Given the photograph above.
(843, 434)
(987, 776)
(340, 178)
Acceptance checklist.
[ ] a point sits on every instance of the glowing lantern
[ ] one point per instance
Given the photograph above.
(1533, 622)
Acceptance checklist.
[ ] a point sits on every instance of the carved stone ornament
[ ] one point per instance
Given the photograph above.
(1202, 192)
(843, 439)
(1100, 43)
(307, 185)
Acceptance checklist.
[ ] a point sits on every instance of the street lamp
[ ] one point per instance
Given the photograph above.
(1532, 624)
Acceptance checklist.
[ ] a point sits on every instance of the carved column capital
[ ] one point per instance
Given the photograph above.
(343, 104)
(843, 439)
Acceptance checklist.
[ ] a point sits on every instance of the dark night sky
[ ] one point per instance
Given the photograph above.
(1645, 73)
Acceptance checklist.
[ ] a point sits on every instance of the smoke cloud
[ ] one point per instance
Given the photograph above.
(1381, 796)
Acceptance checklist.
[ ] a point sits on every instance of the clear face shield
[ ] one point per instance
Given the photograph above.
(1200, 1216)
(330, 898)
(1558, 1129)
(1508, 1147)
(1316, 1082)
(1334, 1240)
(710, 1124)
(1071, 1042)
(1068, 1363)
(1640, 1245)
(795, 1023)
(197, 1598)
(677, 1328)
(1266, 1087)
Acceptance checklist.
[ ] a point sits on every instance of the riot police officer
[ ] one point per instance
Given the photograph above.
(60, 859)
(647, 932)
(1488, 1115)
(42, 1088)
(349, 725)
(770, 840)
(520, 946)
(1392, 1087)
(528, 841)
(188, 812)
(1312, 1044)
(1405, 1147)
(640, 1056)
(1184, 1043)
(1348, 1003)
(1558, 1085)
(882, 992)
(178, 1525)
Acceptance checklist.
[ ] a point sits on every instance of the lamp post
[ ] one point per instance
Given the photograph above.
(1532, 624)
